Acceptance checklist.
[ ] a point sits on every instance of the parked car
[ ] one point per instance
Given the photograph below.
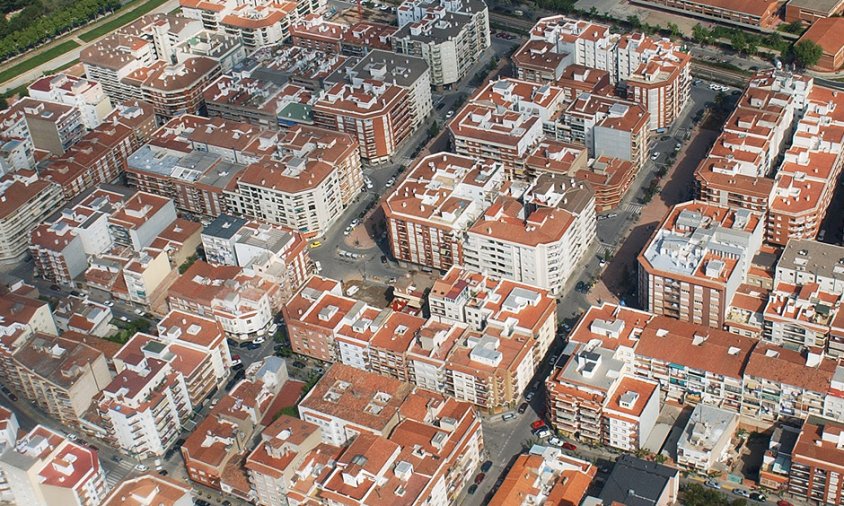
(542, 433)
(124, 319)
(259, 340)
(142, 468)
(163, 472)
(479, 478)
(109, 303)
(537, 424)
(238, 366)
(523, 408)
(713, 484)
(506, 417)
(758, 497)
(655, 155)
(783, 502)
(741, 492)
(472, 489)
(486, 466)
(449, 114)
(569, 446)
(390, 182)
(299, 364)
(316, 244)
(529, 395)
(13, 397)
(252, 346)
(555, 441)
(139, 311)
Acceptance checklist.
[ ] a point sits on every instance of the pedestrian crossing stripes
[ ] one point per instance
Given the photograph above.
(117, 471)
(633, 208)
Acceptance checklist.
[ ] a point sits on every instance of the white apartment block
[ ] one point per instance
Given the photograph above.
(449, 34)
(706, 438)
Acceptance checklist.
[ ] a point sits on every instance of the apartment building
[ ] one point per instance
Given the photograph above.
(258, 101)
(378, 114)
(806, 179)
(87, 96)
(364, 36)
(807, 262)
(661, 78)
(593, 397)
(427, 451)
(244, 304)
(488, 132)
(45, 468)
(408, 72)
(608, 126)
(300, 66)
(98, 158)
(143, 407)
(257, 24)
(781, 384)
(139, 220)
(694, 262)
(753, 15)
(800, 317)
(510, 329)
(152, 488)
(817, 462)
(275, 252)
(53, 126)
(540, 239)
(281, 451)
(450, 36)
(17, 150)
(59, 375)
(83, 316)
(441, 197)
(205, 336)
(316, 175)
(315, 32)
(20, 307)
(163, 59)
(576, 80)
(706, 438)
(194, 181)
(348, 402)
(693, 363)
(545, 474)
(215, 451)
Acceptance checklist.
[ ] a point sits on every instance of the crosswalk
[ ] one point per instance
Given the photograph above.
(117, 471)
(632, 208)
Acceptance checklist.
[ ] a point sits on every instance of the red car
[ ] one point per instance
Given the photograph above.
(569, 446)
(479, 478)
(537, 425)
(783, 502)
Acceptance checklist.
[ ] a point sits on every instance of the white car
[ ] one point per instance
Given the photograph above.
(124, 319)
(142, 468)
(348, 230)
(72, 437)
(390, 182)
(259, 340)
(236, 361)
(354, 222)
(555, 441)
(543, 433)
(678, 147)
(655, 155)
(139, 312)
(109, 303)
(449, 114)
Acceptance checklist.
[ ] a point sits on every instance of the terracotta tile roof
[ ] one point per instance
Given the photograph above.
(695, 346)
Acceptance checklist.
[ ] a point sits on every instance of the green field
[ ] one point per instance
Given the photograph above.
(37, 60)
(123, 19)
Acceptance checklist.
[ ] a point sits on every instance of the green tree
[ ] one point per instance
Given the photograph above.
(674, 30)
(795, 27)
(634, 21)
(807, 53)
(700, 34)
(3, 103)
